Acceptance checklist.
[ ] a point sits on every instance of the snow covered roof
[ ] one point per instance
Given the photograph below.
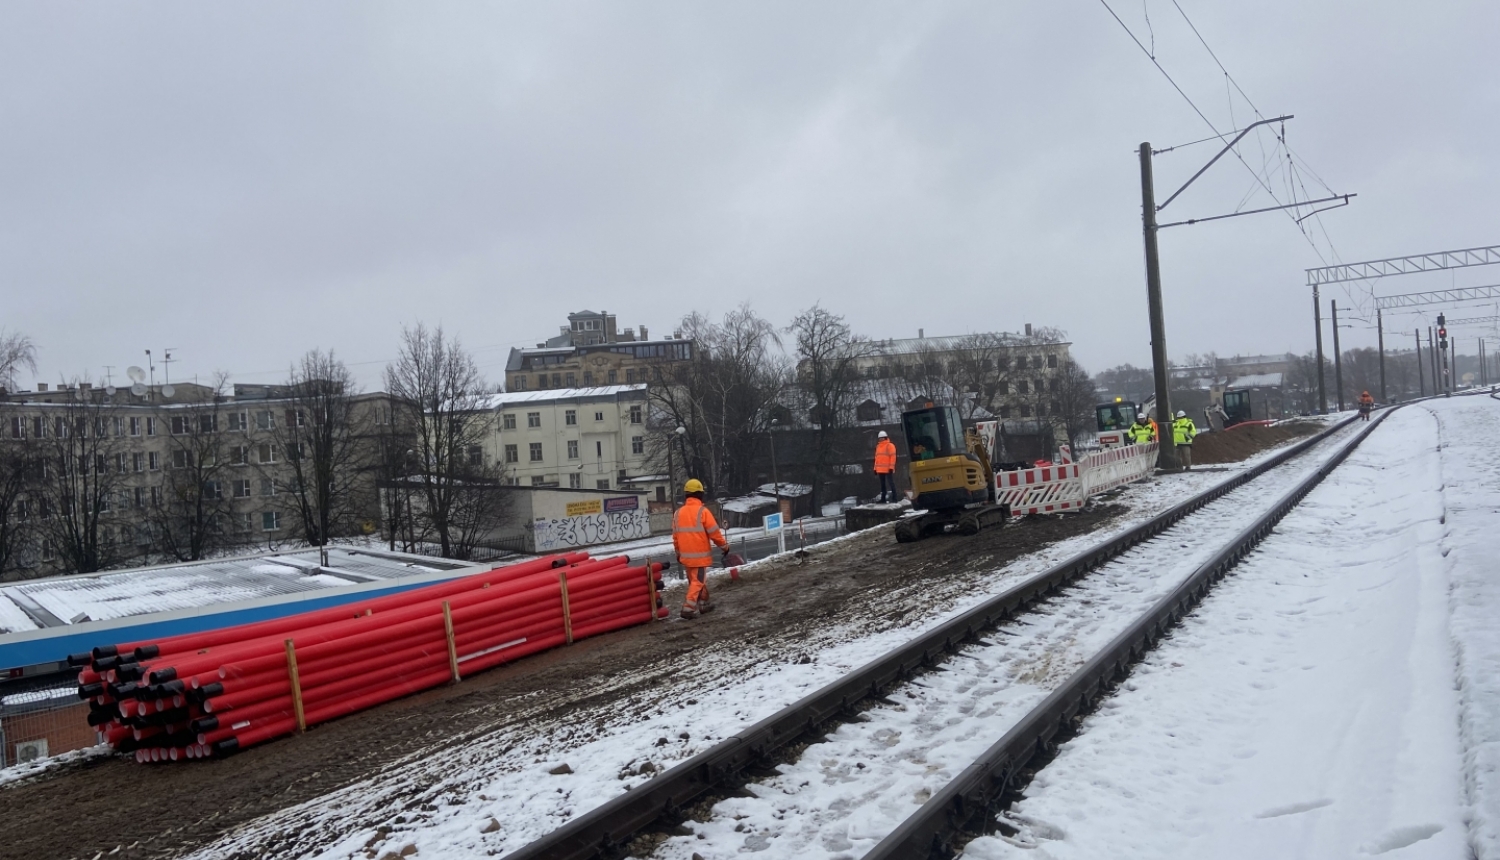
(63, 601)
(1258, 380)
(787, 489)
(750, 504)
(547, 395)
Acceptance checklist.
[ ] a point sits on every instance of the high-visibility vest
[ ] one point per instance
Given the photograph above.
(1183, 431)
(885, 456)
(1140, 433)
(693, 527)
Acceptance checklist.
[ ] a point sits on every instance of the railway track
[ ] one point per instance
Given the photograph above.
(1147, 586)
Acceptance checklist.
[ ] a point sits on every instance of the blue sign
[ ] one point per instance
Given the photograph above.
(773, 522)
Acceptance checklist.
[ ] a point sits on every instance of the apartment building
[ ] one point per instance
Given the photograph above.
(575, 438)
(134, 468)
(591, 352)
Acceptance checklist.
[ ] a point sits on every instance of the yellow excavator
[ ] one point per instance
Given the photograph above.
(952, 479)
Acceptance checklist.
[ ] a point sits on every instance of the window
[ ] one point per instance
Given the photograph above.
(60, 428)
(213, 490)
(237, 421)
(570, 380)
(181, 424)
(122, 463)
(239, 455)
(270, 521)
(242, 489)
(135, 426)
(519, 383)
(119, 426)
(208, 423)
(267, 453)
(557, 380)
(1020, 362)
(150, 426)
(101, 464)
(1003, 387)
(294, 451)
(1039, 386)
(511, 456)
(508, 421)
(476, 455)
(588, 377)
(156, 497)
(246, 522)
(138, 462)
(38, 424)
(49, 551)
(599, 450)
(296, 418)
(629, 376)
(1052, 360)
(153, 459)
(614, 376)
(1021, 387)
(637, 444)
(570, 417)
(264, 420)
(602, 483)
(181, 459)
(536, 452)
(533, 419)
(598, 416)
(104, 505)
(139, 494)
(635, 414)
(1025, 411)
(538, 480)
(575, 480)
(17, 427)
(572, 449)
(1052, 385)
(267, 487)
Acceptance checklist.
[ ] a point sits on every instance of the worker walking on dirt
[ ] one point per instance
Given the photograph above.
(1183, 431)
(1366, 405)
(885, 465)
(1141, 431)
(694, 531)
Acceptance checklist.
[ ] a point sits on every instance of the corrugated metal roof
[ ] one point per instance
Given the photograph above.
(515, 398)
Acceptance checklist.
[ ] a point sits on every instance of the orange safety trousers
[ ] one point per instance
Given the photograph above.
(697, 590)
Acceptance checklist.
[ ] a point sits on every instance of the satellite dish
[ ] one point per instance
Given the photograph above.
(168, 390)
(138, 389)
(135, 374)
(110, 390)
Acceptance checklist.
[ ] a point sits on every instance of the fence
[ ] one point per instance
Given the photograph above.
(43, 722)
(1068, 486)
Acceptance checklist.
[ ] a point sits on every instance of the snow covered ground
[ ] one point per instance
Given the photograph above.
(499, 791)
(1336, 696)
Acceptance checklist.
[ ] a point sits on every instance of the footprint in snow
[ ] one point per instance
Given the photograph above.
(1400, 838)
(1294, 808)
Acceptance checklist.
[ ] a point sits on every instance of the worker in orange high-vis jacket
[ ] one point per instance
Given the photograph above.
(694, 532)
(885, 465)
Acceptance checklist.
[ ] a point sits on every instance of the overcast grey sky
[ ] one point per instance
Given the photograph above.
(243, 182)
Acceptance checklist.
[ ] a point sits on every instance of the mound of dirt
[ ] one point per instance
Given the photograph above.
(1238, 443)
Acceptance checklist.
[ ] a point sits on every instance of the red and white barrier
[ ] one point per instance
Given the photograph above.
(1068, 486)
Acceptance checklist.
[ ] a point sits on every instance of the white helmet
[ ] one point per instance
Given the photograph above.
(881, 435)
(1181, 414)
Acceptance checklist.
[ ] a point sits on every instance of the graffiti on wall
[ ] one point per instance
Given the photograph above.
(590, 529)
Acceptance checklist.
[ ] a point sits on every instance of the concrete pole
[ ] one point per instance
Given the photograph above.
(1338, 363)
(1167, 458)
(1380, 335)
(1318, 339)
(1421, 368)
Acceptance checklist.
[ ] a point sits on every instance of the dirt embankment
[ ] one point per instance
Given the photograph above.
(777, 612)
(1238, 443)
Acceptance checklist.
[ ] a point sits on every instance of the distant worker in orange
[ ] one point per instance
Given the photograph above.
(1366, 404)
(694, 531)
(885, 465)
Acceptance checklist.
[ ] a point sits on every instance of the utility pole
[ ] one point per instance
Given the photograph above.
(1338, 364)
(1318, 338)
(1167, 456)
(1432, 360)
(1380, 337)
(1421, 370)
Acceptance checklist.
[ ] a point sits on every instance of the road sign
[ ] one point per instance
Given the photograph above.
(773, 522)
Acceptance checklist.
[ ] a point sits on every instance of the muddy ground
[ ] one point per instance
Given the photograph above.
(776, 612)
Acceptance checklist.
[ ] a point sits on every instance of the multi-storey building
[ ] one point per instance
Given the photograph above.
(578, 438)
(133, 468)
(590, 352)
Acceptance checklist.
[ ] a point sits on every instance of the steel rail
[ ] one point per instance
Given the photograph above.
(605, 830)
(963, 806)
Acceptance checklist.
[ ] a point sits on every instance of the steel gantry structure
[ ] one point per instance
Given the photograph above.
(1462, 258)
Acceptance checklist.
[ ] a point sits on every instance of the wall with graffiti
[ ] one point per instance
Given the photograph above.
(589, 529)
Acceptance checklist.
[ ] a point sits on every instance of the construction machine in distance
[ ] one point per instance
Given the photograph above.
(952, 477)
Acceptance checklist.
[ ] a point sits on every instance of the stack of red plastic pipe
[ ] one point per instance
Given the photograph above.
(210, 693)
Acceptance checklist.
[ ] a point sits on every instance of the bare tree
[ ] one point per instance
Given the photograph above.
(321, 436)
(80, 482)
(19, 464)
(436, 383)
(722, 398)
(828, 353)
(190, 514)
(17, 352)
(1135, 384)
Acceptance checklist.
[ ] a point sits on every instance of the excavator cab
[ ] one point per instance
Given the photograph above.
(1113, 419)
(945, 473)
(1236, 408)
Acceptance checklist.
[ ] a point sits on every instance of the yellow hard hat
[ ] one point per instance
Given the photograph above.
(693, 486)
